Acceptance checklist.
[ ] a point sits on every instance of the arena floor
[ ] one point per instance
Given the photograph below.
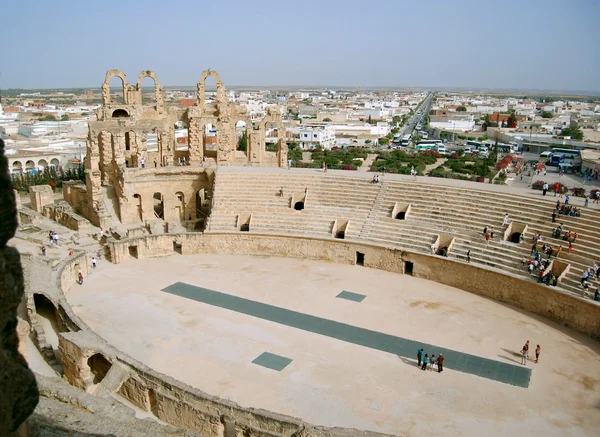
(280, 334)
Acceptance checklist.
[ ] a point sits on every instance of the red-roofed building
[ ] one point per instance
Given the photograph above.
(186, 103)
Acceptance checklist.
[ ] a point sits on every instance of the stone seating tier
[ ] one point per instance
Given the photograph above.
(435, 209)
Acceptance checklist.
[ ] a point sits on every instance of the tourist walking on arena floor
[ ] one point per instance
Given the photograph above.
(425, 362)
(538, 350)
(80, 279)
(524, 356)
(94, 262)
(527, 348)
(440, 363)
(419, 357)
(43, 250)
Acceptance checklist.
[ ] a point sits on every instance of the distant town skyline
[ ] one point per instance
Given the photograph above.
(534, 45)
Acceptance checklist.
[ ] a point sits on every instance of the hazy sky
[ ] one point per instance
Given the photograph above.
(528, 44)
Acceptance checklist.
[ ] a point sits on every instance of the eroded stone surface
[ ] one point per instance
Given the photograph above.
(17, 383)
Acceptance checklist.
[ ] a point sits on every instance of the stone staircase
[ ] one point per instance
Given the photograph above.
(460, 211)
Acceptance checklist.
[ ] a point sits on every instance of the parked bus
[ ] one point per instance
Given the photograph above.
(406, 140)
(572, 158)
(428, 145)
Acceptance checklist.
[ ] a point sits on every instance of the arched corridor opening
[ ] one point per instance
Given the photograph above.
(148, 91)
(120, 113)
(138, 203)
(180, 206)
(299, 206)
(515, 237)
(47, 316)
(241, 135)
(271, 136)
(99, 366)
(117, 91)
(159, 206)
(401, 215)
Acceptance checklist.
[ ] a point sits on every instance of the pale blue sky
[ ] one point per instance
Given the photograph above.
(526, 44)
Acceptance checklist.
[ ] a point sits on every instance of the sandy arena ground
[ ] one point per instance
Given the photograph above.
(334, 383)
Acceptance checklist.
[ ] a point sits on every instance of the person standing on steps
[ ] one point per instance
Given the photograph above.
(505, 222)
(80, 279)
(469, 256)
(289, 164)
(419, 357)
(554, 216)
(43, 250)
(492, 233)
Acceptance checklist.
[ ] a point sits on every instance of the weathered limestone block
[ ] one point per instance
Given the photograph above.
(17, 199)
(40, 196)
(18, 389)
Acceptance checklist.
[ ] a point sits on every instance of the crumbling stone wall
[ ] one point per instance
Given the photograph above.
(40, 196)
(18, 389)
(117, 144)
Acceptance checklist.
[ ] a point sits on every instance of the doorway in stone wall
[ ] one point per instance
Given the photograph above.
(159, 206)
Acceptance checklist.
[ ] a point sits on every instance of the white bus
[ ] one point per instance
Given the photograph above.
(429, 145)
(406, 140)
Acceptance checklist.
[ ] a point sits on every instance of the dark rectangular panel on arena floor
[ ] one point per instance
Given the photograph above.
(354, 297)
(459, 361)
(272, 361)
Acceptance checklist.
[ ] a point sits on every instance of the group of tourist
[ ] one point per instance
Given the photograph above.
(565, 209)
(564, 235)
(53, 237)
(525, 353)
(375, 179)
(424, 361)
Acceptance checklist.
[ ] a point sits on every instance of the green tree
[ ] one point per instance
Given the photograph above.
(416, 139)
(383, 141)
(64, 117)
(367, 141)
(461, 109)
(572, 131)
(546, 114)
(396, 119)
(243, 142)
(48, 118)
(327, 119)
(395, 130)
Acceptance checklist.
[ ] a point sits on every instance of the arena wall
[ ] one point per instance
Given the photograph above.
(580, 314)
(180, 405)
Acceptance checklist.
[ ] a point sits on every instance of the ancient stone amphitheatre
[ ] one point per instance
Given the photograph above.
(223, 307)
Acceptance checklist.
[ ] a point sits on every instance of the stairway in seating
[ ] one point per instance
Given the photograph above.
(375, 207)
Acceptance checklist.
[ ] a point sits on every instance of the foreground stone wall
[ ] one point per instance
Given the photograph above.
(18, 390)
(580, 314)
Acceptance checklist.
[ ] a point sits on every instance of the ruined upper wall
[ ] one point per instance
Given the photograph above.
(132, 107)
